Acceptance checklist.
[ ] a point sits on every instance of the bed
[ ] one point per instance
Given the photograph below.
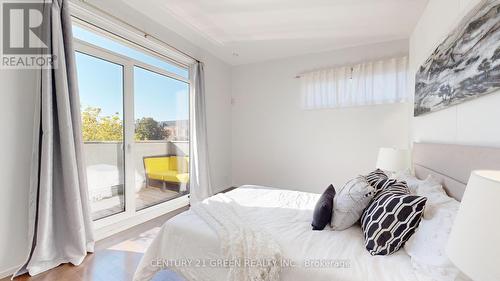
(187, 245)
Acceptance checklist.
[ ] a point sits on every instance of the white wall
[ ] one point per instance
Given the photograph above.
(16, 119)
(276, 143)
(474, 122)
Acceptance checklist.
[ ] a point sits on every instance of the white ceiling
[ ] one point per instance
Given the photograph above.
(247, 31)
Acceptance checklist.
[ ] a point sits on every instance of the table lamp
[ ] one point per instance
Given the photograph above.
(393, 160)
(474, 243)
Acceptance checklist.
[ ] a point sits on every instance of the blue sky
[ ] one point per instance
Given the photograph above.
(101, 83)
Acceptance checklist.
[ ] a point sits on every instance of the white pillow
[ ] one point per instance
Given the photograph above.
(350, 202)
(427, 245)
(430, 188)
(414, 183)
(436, 197)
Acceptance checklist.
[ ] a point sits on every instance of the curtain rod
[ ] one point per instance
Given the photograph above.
(298, 76)
(144, 33)
(351, 66)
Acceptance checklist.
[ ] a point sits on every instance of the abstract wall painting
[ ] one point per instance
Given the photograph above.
(465, 66)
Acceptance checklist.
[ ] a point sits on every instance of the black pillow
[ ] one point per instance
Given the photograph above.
(391, 219)
(324, 209)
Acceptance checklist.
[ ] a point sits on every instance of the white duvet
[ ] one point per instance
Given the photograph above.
(190, 247)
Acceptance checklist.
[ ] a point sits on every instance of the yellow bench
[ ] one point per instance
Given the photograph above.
(168, 168)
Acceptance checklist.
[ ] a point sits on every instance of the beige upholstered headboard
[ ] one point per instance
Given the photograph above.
(452, 164)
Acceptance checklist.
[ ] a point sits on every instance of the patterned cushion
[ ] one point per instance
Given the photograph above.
(391, 218)
(375, 176)
(384, 184)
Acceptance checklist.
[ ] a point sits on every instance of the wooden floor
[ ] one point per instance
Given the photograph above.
(115, 258)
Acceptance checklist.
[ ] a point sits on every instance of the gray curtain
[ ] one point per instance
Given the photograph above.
(60, 227)
(200, 186)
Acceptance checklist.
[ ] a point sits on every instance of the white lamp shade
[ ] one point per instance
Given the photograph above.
(393, 160)
(474, 243)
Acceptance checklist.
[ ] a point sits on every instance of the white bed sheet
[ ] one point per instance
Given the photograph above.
(286, 215)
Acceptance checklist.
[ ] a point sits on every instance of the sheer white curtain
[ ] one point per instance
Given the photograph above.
(378, 82)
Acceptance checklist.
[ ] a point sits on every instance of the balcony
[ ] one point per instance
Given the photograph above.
(106, 175)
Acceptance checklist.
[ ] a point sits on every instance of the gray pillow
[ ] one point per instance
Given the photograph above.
(350, 202)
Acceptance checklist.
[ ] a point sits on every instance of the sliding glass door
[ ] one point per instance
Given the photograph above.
(161, 110)
(135, 124)
(101, 99)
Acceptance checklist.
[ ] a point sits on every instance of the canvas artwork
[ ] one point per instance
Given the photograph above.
(465, 66)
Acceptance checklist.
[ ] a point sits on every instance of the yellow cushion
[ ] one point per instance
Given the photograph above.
(173, 176)
(183, 178)
(170, 176)
(161, 175)
(179, 163)
(154, 165)
(168, 168)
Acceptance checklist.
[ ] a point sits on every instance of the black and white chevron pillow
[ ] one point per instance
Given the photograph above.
(389, 184)
(385, 184)
(391, 218)
(375, 176)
